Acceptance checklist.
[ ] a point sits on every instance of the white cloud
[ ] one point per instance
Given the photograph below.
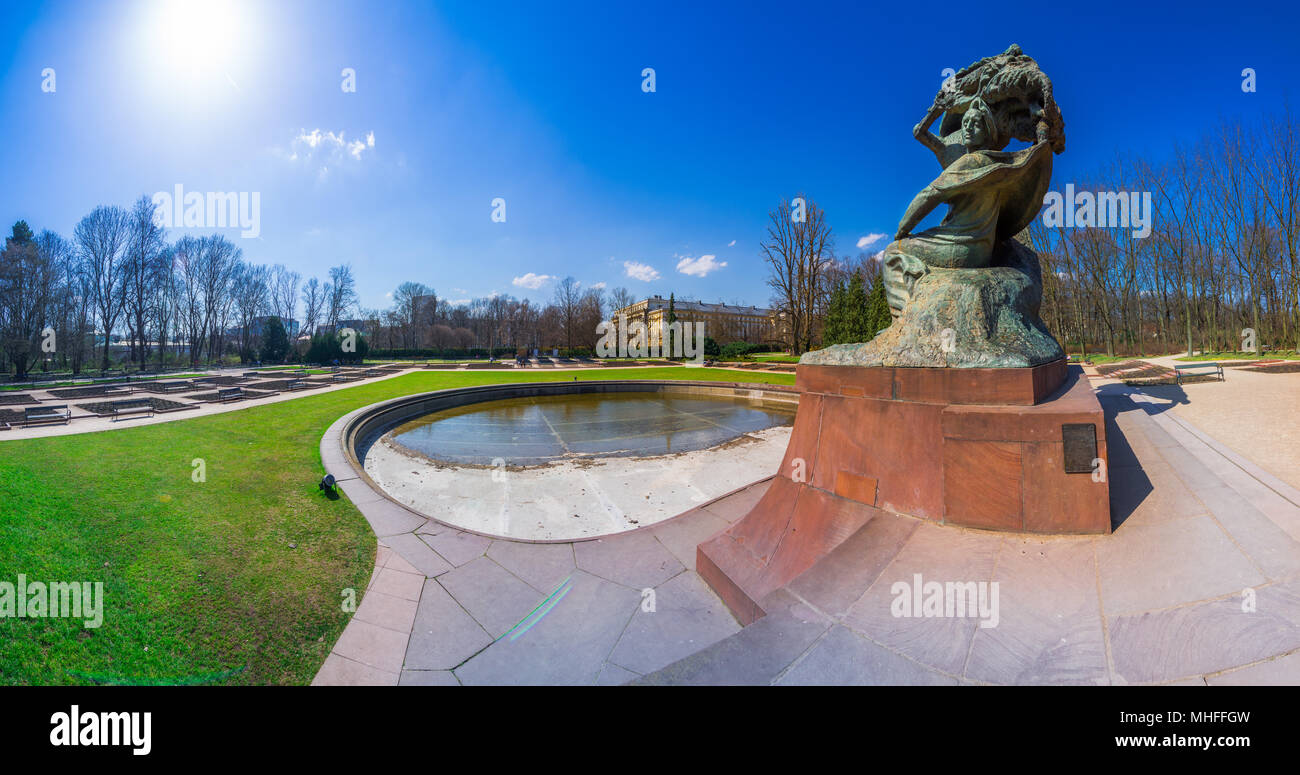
(638, 271)
(731, 244)
(532, 281)
(458, 302)
(598, 286)
(878, 255)
(325, 146)
(699, 267)
(869, 239)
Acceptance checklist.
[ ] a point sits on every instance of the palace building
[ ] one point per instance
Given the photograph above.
(724, 323)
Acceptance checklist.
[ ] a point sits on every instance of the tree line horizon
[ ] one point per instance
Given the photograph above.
(1222, 256)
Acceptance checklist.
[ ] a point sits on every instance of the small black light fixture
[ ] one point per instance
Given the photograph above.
(327, 484)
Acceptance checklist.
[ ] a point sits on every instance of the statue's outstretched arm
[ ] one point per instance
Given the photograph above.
(922, 132)
(921, 205)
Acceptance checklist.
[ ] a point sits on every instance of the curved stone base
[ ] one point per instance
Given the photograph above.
(981, 448)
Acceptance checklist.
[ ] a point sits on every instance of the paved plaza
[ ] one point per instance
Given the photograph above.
(1198, 584)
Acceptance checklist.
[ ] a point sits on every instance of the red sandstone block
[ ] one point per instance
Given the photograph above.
(857, 381)
(897, 443)
(1057, 502)
(789, 530)
(742, 606)
(803, 438)
(982, 484)
(856, 488)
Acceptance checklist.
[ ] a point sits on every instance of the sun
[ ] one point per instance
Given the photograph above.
(197, 44)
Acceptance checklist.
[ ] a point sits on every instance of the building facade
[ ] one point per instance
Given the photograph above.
(724, 323)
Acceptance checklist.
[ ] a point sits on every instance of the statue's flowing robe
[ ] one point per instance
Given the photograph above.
(992, 196)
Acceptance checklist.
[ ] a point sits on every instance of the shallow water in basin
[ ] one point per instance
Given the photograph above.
(543, 429)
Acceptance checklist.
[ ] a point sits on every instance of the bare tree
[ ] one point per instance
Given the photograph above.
(283, 290)
(799, 251)
(252, 298)
(145, 242)
(341, 295)
(102, 239)
(414, 307)
(313, 299)
(619, 298)
(567, 297)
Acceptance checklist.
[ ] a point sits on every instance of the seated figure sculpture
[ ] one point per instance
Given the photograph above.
(966, 293)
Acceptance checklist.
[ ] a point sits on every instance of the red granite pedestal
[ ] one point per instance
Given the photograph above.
(981, 448)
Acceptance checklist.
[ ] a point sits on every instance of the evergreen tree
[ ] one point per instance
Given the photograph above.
(672, 318)
(857, 326)
(21, 234)
(878, 316)
(834, 330)
(275, 341)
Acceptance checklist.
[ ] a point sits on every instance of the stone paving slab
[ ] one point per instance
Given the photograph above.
(636, 559)
(428, 678)
(844, 658)
(340, 671)
(568, 646)
(443, 635)
(1167, 563)
(455, 546)
(496, 598)
(1206, 637)
(755, 656)
(1282, 671)
(542, 566)
(935, 554)
(1049, 629)
(687, 617)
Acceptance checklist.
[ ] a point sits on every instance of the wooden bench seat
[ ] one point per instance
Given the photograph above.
(230, 394)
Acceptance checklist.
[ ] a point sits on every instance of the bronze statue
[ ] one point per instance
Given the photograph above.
(966, 292)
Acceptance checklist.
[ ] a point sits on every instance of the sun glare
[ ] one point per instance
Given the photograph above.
(198, 44)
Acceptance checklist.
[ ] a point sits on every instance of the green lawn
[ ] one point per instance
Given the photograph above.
(234, 580)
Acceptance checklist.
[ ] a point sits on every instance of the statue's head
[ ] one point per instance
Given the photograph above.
(979, 126)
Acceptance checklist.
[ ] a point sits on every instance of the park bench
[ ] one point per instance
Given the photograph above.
(297, 384)
(230, 394)
(131, 406)
(1209, 367)
(371, 373)
(174, 387)
(44, 415)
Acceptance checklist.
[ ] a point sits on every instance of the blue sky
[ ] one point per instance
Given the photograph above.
(541, 104)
